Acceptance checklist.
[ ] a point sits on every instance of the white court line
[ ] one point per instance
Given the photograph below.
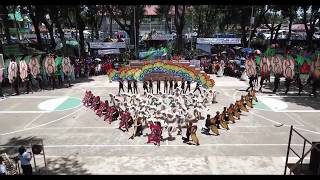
(277, 96)
(106, 127)
(35, 97)
(295, 126)
(24, 112)
(50, 122)
(36, 118)
(293, 119)
(255, 114)
(115, 127)
(289, 111)
(309, 111)
(307, 130)
(150, 145)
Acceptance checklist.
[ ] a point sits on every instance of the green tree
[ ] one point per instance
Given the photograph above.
(124, 16)
(273, 22)
(311, 19)
(80, 16)
(290, 12)
(179, 22)
(4, 16)
(164, 12)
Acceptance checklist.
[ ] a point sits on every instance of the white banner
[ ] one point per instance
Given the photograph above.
(219, 40)
(196, 63)
(108, 51)
(107, 45)
(162, 37)
(1, 61)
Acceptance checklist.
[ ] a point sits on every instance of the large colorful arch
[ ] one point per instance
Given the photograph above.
(169, 68)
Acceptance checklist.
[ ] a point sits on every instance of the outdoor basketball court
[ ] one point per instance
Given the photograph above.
(78, 142)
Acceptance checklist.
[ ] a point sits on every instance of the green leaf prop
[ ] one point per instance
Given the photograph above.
(270, 52)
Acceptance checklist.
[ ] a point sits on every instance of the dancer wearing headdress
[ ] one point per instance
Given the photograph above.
(197, 88)
(145, 85)
(151, 86)
(129, 86)
(158, 86)
(135, 86)
(120, 85)
(165, 88)
(171, 86)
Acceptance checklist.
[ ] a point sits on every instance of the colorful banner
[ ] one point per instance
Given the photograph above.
(168, 68)
(153, 54)
(107, 45)
(1, 68)
(219, 40)
(108, 51)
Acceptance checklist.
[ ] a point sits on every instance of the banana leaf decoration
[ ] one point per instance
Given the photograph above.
(270, 52)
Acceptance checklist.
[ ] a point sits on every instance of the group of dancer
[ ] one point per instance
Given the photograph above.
(28, 75)
(229, 114)
(302, 75)
(169, 86)
(167, 114)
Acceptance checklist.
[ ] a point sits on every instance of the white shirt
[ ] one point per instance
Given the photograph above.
(3, 169)
(25, 158)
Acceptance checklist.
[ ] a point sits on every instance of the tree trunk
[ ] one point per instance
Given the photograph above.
(53, 42)
(199, 25)
(81, 27)
(168, 28)
(4, 13)
(61, 33)
(290, 27)
(110, 26)
(309, 38)
(92, 34)
(243, 29)
(99, 26)
(97, 34)
(271, 35)
(277, 33)
(258, 22)
(244, 35)
(179, 42)
(35, 22)
(1, 48)
(82, 49)
(179, 24)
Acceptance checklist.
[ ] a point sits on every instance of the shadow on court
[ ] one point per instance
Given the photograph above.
(12, 145)
(63, 165)
(55, 166)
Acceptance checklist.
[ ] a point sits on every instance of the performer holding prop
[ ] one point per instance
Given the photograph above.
(288, 71)
(264, 70)
(50, 67)
(13, 75)
(67, 69)
(276, 65)
(251, 71)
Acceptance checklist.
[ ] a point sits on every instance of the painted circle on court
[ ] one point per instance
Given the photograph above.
(270, 104)
(60, 104)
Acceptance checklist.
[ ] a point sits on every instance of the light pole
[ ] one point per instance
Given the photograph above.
(191, 28)
(251, 23)
(135, 31)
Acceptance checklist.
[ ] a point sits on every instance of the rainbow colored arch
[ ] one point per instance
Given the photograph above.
(184, 71)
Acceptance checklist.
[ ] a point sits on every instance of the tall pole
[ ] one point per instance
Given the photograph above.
(150, 24)
(135, 31)
(191, 29)
(251, 23)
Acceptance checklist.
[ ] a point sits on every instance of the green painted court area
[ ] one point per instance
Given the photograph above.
(260, 105)
(69, 104)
